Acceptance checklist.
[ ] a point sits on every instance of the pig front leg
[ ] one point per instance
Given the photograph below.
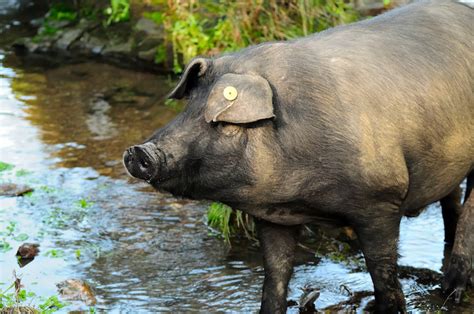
(461, 263)
(278, 244)
(378, 232)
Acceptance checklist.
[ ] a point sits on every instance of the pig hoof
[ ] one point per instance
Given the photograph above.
(456, 277)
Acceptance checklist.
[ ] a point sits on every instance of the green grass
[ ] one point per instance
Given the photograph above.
(5, 166)
(22, 173)
(117, 11)
(61, 12)
(208, 28)
(54, 253)
(83, 203)
(228, 222)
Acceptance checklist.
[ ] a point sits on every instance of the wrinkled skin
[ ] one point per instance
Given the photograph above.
(358, 125)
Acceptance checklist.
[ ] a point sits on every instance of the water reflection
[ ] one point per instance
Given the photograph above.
(93, 106)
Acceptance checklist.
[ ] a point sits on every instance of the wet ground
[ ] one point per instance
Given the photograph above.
(64, 128)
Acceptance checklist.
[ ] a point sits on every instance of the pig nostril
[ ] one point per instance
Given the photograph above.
(144, 163)
(140, 162)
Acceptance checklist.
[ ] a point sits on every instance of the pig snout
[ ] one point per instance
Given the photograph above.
(142, 162)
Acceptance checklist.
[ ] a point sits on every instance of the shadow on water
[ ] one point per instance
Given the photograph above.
(65, 128)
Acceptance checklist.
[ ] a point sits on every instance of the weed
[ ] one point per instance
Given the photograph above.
(196, 28)
(83, 203)
(10, 229)
(21, 237)
(77, 254)
(218, 217)
(118, 11)
(173, 104)
(47, 189)
(5, 166)
(51, 305)
(5, 246)
(61, 12)
(22, 173)
(226, 221)
(55, 253)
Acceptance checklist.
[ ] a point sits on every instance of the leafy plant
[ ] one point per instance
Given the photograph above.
(21, 237)
(7, 299)
(22, 173)
(227, 222)
(61, 12)
(51, 305)
(118, 11)
(196, 28)
(5, 166)
(83, 203)
(14, 298)
(218, 217)
(77, 254)
(5, 246)
(55, 253)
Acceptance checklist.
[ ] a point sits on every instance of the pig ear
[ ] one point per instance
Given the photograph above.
(239, 98)
(196, 68)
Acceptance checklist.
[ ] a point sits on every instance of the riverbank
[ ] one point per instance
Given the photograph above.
(162, 36)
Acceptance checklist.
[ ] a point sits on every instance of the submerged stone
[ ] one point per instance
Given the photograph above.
(12, 189)
(26, 253)
(77, 290)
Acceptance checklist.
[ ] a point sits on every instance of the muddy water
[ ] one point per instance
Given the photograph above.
(65, 128)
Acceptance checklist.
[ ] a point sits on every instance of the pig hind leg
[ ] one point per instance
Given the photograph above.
(451, 209)
(460, 266)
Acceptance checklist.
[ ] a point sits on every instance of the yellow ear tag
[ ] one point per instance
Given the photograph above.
(230, 93)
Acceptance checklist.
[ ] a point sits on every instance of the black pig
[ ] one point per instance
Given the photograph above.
(359, 125)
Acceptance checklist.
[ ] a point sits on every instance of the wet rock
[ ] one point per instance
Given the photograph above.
(77, 290)
(148, 55)
(28, 250)
(37, 22)
(146, 27)
(147, 37)
(423, 276)
(89, 45)
(72, 34)
(12, 189)
(129, 45)
(150, 42)
(26, 253)
(25, 45)
(307, 299)
(68, 37)
(19, 310)
(352, 304)
(54, 24)
(118, 49)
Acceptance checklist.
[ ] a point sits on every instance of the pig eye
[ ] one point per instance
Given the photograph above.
(228, 129)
